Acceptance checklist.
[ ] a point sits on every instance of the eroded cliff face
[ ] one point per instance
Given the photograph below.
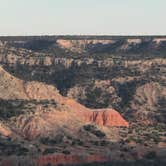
(108, 117)
(80, 46)
(112, 45)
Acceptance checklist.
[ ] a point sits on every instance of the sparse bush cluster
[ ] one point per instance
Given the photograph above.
(52, 141)
(8, 147)
(93, 129)
(14, 108)
(151, 155)
(49, 151)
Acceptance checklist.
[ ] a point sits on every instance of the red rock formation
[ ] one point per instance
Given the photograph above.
(72, 114)
(108, 117)
(69, 159)
(102, 117)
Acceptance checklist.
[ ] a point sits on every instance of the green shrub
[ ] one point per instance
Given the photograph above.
(49, 151)
(151, 155)
(93, 129)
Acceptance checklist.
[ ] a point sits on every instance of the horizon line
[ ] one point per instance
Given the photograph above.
(87, 35)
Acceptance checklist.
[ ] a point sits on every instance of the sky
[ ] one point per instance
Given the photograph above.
(82, 17)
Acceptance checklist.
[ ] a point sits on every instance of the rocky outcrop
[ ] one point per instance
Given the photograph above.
(159, 40)
(40, 91)
(112, 45)
(108, 117)
(80, 45)
(5, 131)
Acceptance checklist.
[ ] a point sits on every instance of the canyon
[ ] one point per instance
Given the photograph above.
(82, 99)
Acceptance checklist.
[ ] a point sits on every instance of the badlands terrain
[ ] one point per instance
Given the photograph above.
(82, 100)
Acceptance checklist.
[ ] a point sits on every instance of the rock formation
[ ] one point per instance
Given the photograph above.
(108, 117)
(43, 122)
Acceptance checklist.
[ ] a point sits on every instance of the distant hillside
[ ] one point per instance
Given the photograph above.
(90, 44)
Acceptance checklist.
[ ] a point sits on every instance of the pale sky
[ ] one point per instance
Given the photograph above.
(82, 17)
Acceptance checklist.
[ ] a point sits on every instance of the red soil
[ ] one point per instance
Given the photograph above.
(54, 160)
(69, 159)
